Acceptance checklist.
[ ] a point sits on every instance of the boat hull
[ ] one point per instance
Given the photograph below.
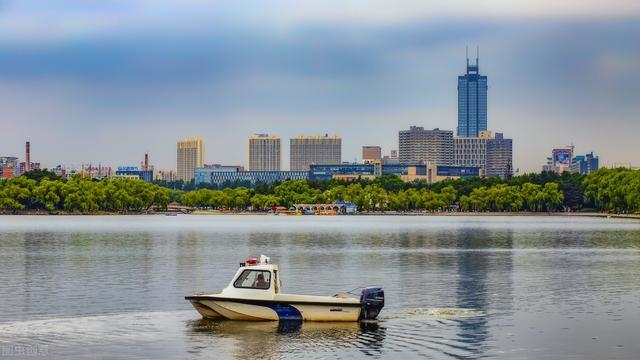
(267, 310)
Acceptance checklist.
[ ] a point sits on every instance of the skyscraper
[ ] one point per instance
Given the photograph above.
(319, 149)
(264, 152)
(418, 145)
(190, 155)
(472, 101)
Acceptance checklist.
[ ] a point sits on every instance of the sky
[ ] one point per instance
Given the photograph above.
(104, 81)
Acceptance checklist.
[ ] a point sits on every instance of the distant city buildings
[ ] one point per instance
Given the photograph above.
(585, 164)
(190, 155)
(499, 162)
(428, 155)
(625, 166)
(235, 174)
(418, 145)
(391, 159)
(265, 152)
(94, 172)
(167, 175)
(32, 166)
(472, 101)
(430, 172)
(371, 154)
(562, 159)
(134, 172)
(320, 149)
(59, 170)
(490, 152)
(144, 172)
(9, 167)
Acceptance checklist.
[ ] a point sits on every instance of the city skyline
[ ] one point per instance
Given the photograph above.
(100, 85)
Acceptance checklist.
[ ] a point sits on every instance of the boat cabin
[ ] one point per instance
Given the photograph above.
(256, 278)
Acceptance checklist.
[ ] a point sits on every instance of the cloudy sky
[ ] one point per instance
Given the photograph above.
(104, 81)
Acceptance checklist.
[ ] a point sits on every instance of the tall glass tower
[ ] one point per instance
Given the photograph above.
(472, 101)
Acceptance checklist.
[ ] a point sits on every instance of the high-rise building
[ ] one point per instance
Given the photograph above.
(499, 161)
(472, 101)
(371, 154)
(264, 152)
(471, 151)
(491, 153)
(320, 149)
(190, 155)
(419, 145)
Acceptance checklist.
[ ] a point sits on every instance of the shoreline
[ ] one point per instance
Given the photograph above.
(370, 213)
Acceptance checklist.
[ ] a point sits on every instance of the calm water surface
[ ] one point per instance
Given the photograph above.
(456, 287)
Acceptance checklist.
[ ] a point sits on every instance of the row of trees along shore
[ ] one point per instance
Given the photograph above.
(43, 190)
(610, 190)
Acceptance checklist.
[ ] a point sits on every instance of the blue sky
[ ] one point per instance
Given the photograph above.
(105, 81)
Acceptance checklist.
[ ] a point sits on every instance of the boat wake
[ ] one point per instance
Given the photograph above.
(428, 313)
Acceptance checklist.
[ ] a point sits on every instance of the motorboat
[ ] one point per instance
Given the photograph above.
(254, 294)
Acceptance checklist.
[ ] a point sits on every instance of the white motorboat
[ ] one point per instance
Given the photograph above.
(254, 294)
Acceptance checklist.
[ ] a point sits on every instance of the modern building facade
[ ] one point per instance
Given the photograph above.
(472, 101)
(264, 152)
(190, 155)
(585, 164)
(499, 157)
(430, 172)
(135, 172)
(471, 151)
(419, 145)
(560, 160)
(226, 175)
(490, 152)
(320, 149)
(371, 154)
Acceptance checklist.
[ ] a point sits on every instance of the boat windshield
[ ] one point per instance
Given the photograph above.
(253, 279)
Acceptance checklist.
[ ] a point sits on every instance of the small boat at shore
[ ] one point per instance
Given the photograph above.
(254, 295)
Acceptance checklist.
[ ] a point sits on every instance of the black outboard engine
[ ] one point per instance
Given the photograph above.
(372, 300)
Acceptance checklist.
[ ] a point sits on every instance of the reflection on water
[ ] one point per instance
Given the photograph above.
(469, 287)
(276, 339)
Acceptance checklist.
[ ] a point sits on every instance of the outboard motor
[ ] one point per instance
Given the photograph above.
(372, 300)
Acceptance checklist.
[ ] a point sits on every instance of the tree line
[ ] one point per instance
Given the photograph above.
(43, 190)
(614, 190)
(611, 190)
(374, 197)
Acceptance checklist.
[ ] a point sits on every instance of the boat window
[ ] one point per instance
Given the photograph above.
(253, 279)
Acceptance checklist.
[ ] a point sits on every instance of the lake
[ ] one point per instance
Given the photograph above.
(456, 287)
